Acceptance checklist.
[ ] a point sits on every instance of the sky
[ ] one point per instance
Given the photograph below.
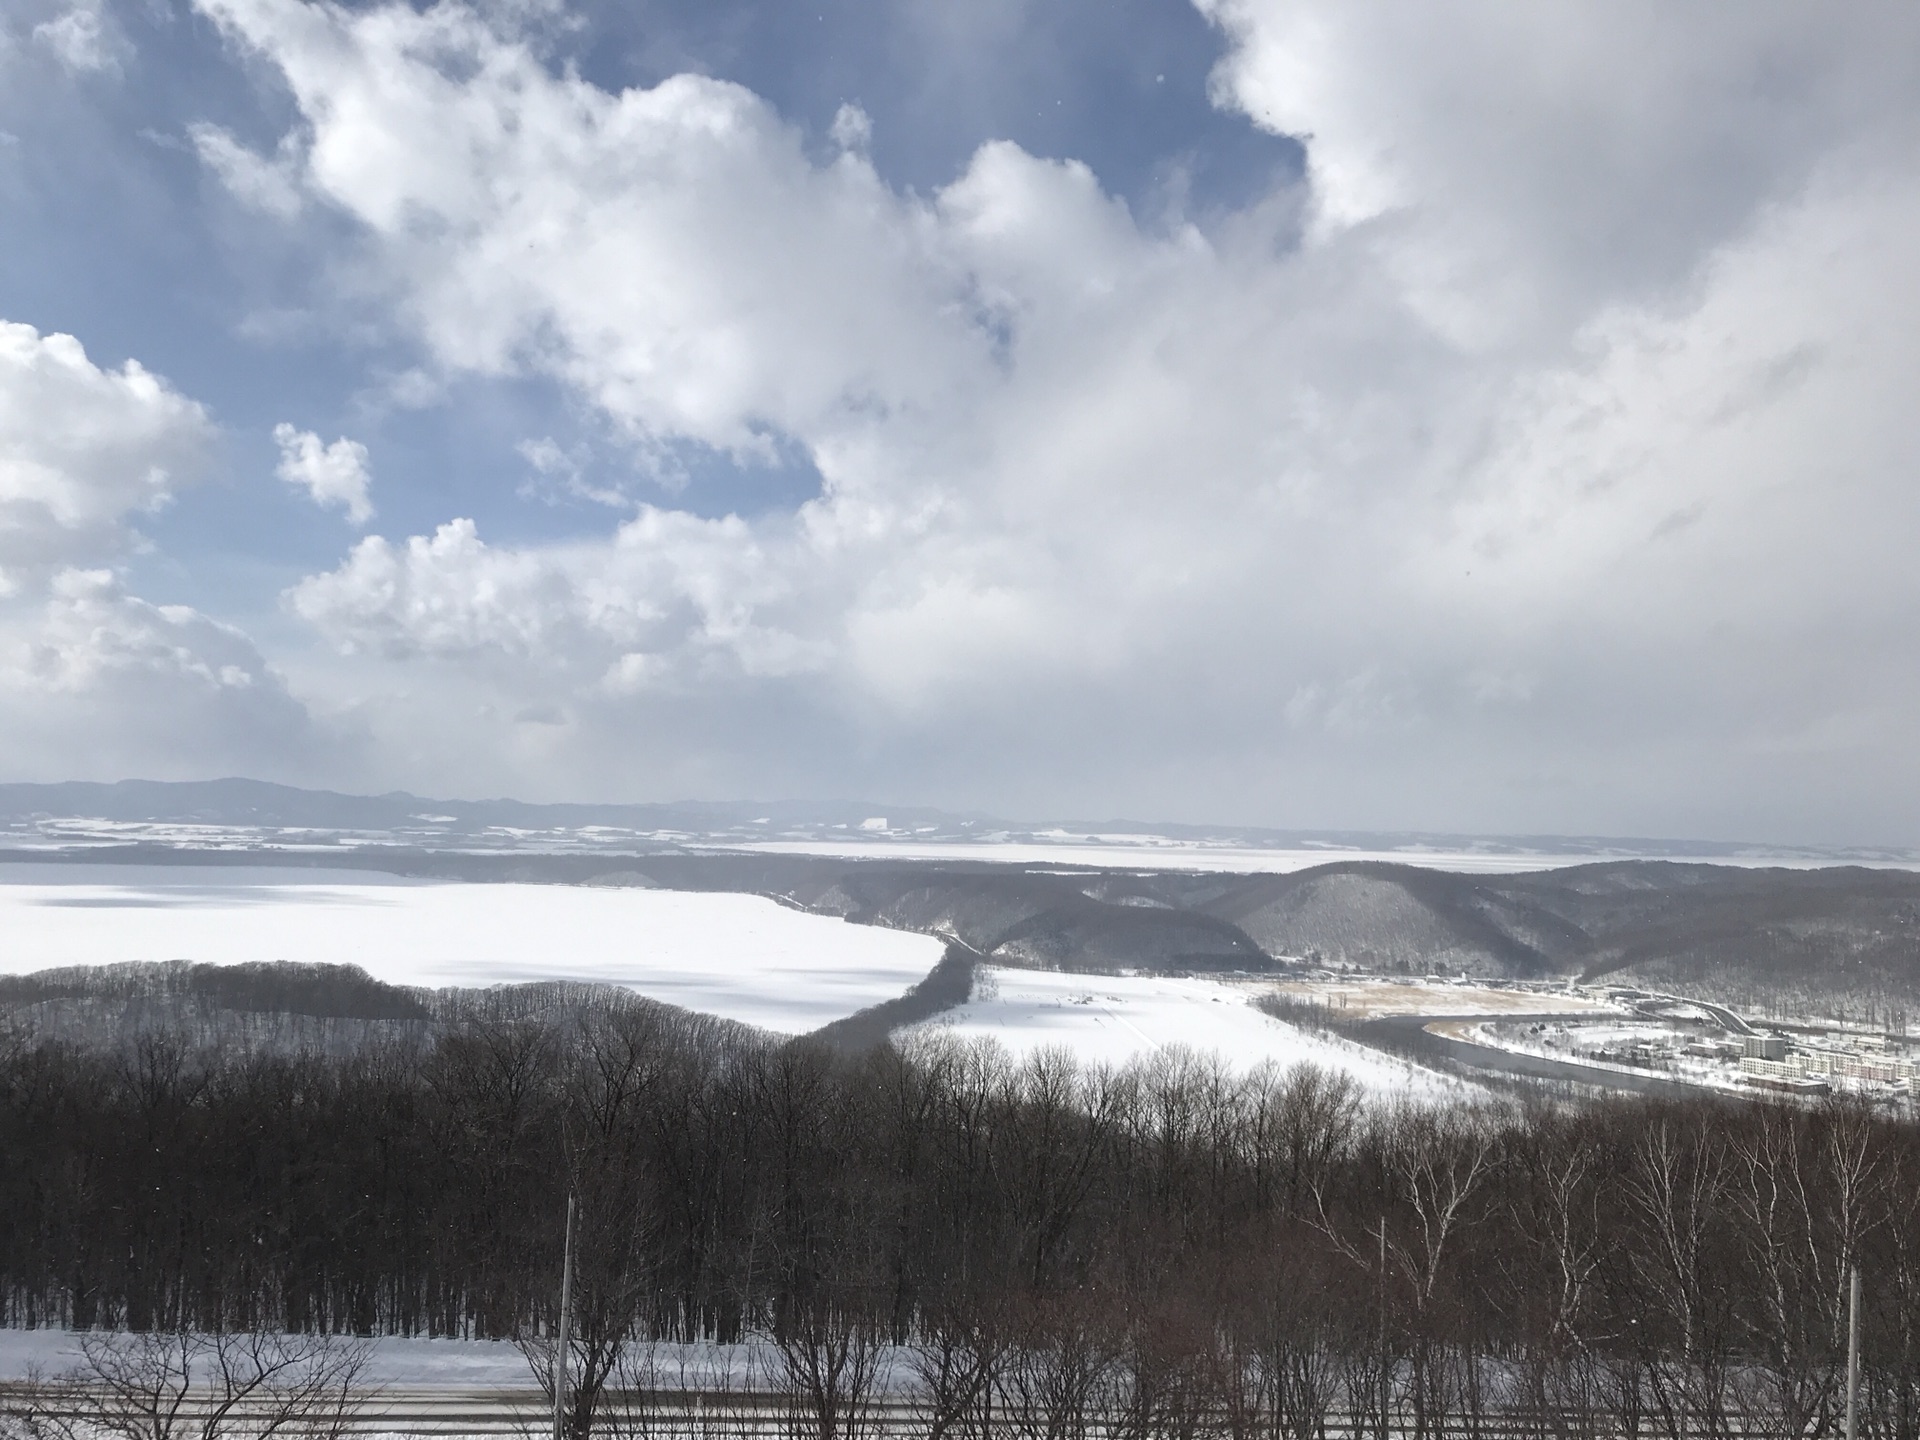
(1466, 417)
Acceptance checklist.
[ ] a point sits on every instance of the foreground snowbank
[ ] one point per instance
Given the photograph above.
(401, 1364)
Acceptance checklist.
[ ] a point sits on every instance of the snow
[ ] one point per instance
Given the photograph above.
(1150, 855)
(1116, 1018)
(397, 1360)
(411, 1368)
(743, 957)
(412, 1362)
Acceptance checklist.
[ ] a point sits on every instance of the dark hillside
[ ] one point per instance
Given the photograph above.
(1843, 936)
(1394, 917)
(279, 1008)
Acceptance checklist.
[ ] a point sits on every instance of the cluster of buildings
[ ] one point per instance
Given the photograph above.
(1663, 1035)
(1774, 1062)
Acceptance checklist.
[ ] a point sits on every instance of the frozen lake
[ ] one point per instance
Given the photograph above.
(739, 956)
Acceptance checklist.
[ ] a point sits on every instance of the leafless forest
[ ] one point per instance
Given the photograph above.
(1030, 1249)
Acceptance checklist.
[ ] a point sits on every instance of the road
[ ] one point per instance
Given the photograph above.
(1409, 1035)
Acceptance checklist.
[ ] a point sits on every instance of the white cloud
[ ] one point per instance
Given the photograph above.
(852, 128)
(1386, 501)
(674, 599)
(82, 448)
(93, 629)
(1538, 161)
(333, 475)
(79, 38)
(97, 682)
(268, 185)
(617, 242)
(562, 473)
(94, 680)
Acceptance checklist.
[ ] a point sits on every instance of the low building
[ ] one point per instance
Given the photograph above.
(1785, 1084)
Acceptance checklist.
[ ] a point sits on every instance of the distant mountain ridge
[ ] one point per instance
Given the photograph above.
(243, 804)
(236, 801)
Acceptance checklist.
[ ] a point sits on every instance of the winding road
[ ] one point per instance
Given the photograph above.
(1409, 1035)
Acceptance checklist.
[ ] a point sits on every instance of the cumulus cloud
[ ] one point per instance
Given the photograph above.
(335, 476)
(83, 448)
(673, 599)
(94, 630)
(96, 681)
(1524, 166)
(617, 242)
(1535, 459)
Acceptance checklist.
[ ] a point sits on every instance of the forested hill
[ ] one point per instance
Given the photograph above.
(283, 1009)
(1647, 922)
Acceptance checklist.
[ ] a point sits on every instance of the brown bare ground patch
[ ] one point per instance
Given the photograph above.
(1364, 1000)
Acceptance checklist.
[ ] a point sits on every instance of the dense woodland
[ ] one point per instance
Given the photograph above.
(1201, 1253)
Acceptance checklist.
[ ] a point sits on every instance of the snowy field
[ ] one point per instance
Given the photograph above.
(738, 956)
(403, 1366)
(1150, 854)
(1167, 855)
(397, 1360)
(1114, 1019)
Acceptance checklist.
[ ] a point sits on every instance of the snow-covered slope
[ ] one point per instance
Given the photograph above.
(1114, 1019)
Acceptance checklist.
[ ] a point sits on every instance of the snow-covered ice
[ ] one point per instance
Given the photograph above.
(743, 957)
(1146, 853)
(1115, 1018)
(1152, 856)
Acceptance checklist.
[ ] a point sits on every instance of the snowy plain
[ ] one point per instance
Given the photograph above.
(1136, 853)
(738, 956)
(1169, 855)
(397, 1360)
(414, 1366)
(1113, 1019)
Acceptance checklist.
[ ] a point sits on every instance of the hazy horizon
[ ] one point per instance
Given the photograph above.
(219, 812)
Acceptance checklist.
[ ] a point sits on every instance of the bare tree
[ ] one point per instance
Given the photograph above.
(830, 1358)
(1062, 1373)
(955, 1362)
(1793, 1387)
(1551, 1270)
(1678, 1316)
(177, 1385)
(1169, 1384)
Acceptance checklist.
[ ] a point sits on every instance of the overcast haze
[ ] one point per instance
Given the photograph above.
(1470, 417)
